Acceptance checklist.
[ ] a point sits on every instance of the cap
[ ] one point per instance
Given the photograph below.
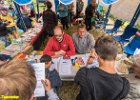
(45, 59)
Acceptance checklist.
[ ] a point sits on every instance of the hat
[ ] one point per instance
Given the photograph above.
(45, 59)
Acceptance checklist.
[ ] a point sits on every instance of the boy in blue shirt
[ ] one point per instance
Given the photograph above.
(51, 74)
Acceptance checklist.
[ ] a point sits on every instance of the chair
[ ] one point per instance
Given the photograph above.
(125, 37)
(131, 47)
(116, 27)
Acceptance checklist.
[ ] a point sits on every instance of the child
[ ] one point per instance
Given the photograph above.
(9, 21)
(51, 74)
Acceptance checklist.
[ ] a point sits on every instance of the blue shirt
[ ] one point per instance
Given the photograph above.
(64, 12)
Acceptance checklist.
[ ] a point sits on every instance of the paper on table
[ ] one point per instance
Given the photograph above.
(55, 63)
(40, 74)
(65, 67)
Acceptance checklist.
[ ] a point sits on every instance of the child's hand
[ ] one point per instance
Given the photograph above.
(90, 60)
(47, 85)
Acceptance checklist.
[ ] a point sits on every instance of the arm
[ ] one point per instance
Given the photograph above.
(48, 48)
(71, 48)
(52, 95)
(43, 17)
(47, 86)
(11, 20)
(55, 19)
(91, 42)
(81, 79)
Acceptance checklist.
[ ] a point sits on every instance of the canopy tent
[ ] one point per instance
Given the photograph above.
(66, 2)
(109, 2)
(23, 2)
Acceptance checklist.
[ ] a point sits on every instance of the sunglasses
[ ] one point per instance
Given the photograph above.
(58, 35)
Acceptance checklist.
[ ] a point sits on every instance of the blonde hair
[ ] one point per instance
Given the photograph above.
(81, 26)
(17, 78)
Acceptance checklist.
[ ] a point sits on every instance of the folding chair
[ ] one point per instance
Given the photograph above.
(116, 27)
(125, 37)
(131, 47)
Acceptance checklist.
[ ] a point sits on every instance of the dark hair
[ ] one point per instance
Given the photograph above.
(49, 4)
(106, 48)
(45, 59)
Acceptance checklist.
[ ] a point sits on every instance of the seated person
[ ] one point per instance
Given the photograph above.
(83, 40)
(60, 44)
(21, 81)
(50, 74)
(4, 58)
(4, 34)
(9, 21)
(102, 83)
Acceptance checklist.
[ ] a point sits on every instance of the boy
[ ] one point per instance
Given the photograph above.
(9, 21)
(51, 74)
(102, 83)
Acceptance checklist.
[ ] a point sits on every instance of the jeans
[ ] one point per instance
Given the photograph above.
(64, 21)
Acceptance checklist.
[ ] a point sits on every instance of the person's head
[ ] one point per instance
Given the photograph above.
(49, 4)
(4, 11)
(4, 58)
(81, 30)
(17, 78)
(47, 60)
(58, 33)
(93, 3)
(106, 48)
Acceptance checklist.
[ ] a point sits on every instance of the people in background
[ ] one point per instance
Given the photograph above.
(70, 14)
(79, 7)
(89, 13)
(83, 40)
(21, 81)
(11, 11)
(60, 44)
(9, 21)
(102, 83)
(49, 20)
(4, 58)
(4, 34)
(63, 15)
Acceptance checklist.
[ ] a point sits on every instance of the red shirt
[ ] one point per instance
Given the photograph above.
(53, 45)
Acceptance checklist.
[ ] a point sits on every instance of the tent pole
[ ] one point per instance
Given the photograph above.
(135, 17)
(20, 16)
(38, 13)
(107, 15)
